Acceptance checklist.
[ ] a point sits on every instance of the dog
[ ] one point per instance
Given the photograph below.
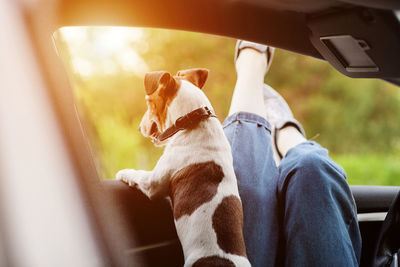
(195, 170)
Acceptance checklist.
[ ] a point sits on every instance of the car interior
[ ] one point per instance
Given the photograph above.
(360, 39)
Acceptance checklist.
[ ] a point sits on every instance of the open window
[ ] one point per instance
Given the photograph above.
(357, 120)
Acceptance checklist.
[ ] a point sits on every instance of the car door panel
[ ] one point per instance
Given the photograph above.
(158, 244)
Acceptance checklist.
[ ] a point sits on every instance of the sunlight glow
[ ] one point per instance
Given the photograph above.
(105, 50)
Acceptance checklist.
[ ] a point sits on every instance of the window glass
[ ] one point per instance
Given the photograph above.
(356, 119)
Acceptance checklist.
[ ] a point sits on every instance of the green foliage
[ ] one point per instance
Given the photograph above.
(349, 115)
(356, 119)
(370, 169)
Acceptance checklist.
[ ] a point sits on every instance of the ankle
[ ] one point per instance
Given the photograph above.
(251, 61)
(287, 138)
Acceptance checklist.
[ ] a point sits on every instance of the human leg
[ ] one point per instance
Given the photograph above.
(287, 131)
(287, 138)
(318, 211)
(250, 137)
(250, 67)
(316, 207)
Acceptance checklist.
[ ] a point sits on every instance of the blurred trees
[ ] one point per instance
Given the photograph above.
(351, 116)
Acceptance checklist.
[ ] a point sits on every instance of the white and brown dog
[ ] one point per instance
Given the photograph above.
(195, 170)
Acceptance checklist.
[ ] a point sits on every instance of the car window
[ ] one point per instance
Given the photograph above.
(356, 119)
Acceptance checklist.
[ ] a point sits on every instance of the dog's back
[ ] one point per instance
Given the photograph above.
(205, 199)
(208, 216)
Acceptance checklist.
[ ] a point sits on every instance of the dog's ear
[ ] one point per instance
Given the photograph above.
(196, 76)
(160, 81)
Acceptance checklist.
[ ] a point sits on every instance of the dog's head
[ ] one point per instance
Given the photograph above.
(163, 89)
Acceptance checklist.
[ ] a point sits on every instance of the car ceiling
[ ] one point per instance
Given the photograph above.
(294, 25)
(311, 6)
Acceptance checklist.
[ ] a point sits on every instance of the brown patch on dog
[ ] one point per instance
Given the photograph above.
(213, 261)
(161, 88)
(193, 186)
(228, 224)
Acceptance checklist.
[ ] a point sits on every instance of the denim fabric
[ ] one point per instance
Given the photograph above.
(257, 181)
(300, 213)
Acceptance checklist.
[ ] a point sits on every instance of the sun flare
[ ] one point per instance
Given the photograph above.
(105, 50)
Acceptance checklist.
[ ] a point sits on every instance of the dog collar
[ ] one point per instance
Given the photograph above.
(188, 121)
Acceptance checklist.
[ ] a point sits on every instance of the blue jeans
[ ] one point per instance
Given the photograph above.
(300, 213)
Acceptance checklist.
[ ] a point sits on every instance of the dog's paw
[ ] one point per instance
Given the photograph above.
(134, 178)
(138, 179)
(127, 176)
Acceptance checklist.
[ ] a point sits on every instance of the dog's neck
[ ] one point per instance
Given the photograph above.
(188, 99)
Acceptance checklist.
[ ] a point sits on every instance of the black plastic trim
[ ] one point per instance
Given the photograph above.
(374, 198)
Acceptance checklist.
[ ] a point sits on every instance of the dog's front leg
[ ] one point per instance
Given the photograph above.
(134, 178)
(152, 183)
